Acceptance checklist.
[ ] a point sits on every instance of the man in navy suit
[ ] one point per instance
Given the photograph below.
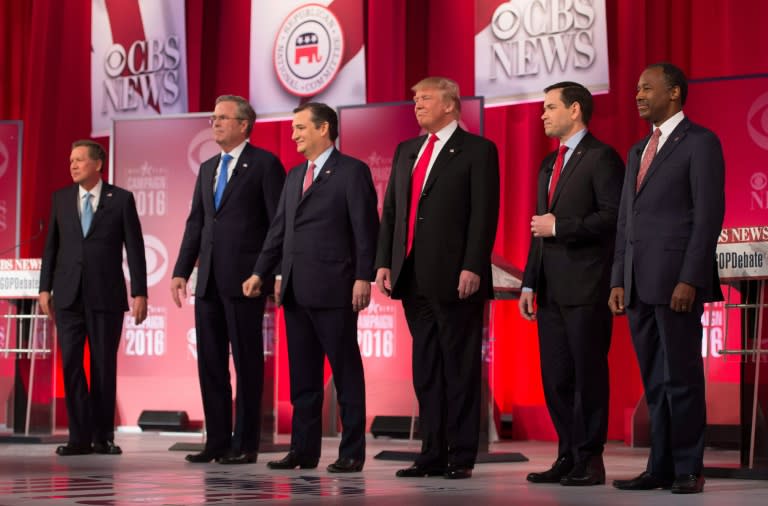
(322, 243)
(568, 276)
(437, 231)
(664, 270)
(234, 201)
(82, 270)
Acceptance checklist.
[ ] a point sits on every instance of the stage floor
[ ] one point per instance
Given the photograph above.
(147, 473)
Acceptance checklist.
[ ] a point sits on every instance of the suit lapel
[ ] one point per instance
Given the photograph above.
(325, 174)
(243, 162)
(105, 201)
(452, 148)
(677, 135)
(568, 170)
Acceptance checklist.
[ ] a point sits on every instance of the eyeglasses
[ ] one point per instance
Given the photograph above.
(213, 119)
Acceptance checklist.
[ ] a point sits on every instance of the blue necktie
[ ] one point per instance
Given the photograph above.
(86, 217)
(222, 182)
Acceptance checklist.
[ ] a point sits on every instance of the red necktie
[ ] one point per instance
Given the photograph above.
(650, 152)
(308, 177)
(556, 172)
(417, 182)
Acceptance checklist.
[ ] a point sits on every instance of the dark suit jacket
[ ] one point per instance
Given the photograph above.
(456, 221)
(326, 238)
(667, 231)
(228, 241)
(96, 260)
(574, 267)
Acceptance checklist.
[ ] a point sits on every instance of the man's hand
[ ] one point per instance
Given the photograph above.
(616, 300)
(682, 297)
(469, 283)
(278, 289)
(252, 286)
(178, 284)
(541, 226)
(46, 304)
(139, 311)
(525, 304)
(361, 295)
(383, 281)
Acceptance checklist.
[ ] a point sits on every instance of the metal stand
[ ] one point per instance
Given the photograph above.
(36, 344)
(751, 355)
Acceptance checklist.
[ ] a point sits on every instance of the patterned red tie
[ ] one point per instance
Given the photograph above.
(417, 182)
(650, 152)
(556, 172)
(308, 177)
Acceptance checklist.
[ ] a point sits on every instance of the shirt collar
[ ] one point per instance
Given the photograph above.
(236, 151)
(445, 133)
(575, 139)
(322, 158)
(95, 191)
(671, 123)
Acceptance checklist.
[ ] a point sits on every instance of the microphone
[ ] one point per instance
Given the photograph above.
(34, 236)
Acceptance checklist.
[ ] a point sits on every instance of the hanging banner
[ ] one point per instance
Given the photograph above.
(523, 46)
(158, 159)
(302, 51)
(138, 60)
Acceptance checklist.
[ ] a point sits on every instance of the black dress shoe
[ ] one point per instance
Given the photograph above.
(417, 471)
(203, 457)
(688, 484)
(586, 472)
(644, 481)
(457, 473)
(73, 449)
(292, 461)
(107, 448)
(554, 474)
(345, 465)
(239, 458)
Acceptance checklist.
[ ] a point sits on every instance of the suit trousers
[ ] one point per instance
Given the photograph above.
(91, 415)
(668, 347)
(222, 322)
(312, 334)
(447, 340)
(573, 346)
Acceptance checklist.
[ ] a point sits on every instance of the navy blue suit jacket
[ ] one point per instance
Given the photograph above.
(227, 241)
(95, 260)
(325, 239)
(667, 231)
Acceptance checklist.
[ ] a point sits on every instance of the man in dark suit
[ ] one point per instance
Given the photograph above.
(568, 275)
(232, 205)
(437, 232)
(671, 213)
(323, 239)
(82, 270)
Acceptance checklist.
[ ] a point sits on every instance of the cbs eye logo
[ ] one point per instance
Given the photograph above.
(757, 121)
(201, 147)
(156, 256)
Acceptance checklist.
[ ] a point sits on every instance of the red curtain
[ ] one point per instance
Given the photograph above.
(45, 81)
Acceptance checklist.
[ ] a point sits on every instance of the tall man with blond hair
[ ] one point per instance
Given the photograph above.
(437, 231)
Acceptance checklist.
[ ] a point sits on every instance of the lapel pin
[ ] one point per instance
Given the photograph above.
(451, 150)
(245, 165)
(109, 194)
(327, 171)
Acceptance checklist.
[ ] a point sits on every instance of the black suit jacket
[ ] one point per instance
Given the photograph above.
(667, 231)
(456, 221)
(574, 267)
(228, 241)
(326, 238)
(96, 260)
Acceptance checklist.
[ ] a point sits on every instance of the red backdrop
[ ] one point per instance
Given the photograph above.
(44, 80)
